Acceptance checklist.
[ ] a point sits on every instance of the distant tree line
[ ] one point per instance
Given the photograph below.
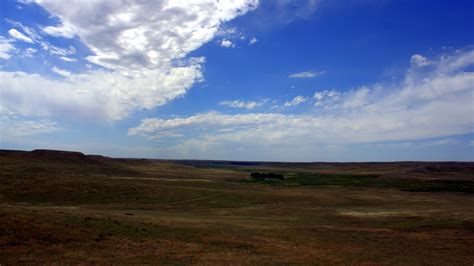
(266, 176)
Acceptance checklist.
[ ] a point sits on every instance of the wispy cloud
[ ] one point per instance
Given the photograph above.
(444, 141)
(14, 128)
(61, 72)
(253, 41)
(68, 59)
(434, 104)
(6, 48)
(28, 31)
(19, 36)
(296, 101)
(420, 61)
(32, 36)
(29, 52)
(326, 99)
(57, 50)
(65, 30)
(243, 104)
(306, 74)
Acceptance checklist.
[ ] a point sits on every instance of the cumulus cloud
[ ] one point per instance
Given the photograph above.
(227, 43)
(434, 104)
(126, 35)
(306, 74)
(141, 46)
(296, 101)
(109, 96)
(243, 104)
(19, 36)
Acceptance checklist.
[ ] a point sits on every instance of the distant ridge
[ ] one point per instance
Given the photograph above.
(76, 156)
(58, 155)
(66, 156)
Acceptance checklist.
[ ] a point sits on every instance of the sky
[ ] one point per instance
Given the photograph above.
(282, 80)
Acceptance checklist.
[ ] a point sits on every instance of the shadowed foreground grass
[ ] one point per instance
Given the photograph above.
(163, 212)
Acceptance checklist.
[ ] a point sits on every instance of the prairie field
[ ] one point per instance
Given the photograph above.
(65, 207)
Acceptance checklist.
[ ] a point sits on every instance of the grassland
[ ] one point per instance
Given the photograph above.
(70, 208)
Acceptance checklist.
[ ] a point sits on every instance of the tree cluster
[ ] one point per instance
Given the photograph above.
(266, 176)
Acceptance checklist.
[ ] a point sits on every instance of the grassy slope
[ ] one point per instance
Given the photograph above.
(142, 212)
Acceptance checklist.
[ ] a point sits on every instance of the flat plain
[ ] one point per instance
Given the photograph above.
(72, 208)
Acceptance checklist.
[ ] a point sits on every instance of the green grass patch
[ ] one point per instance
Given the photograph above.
(434, 224)
(303, 179)
(438, 186)
(343, 180)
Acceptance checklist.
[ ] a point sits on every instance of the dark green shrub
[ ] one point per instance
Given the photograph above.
(266, 176)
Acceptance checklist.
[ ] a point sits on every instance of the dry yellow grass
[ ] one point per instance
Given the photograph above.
(167, 213)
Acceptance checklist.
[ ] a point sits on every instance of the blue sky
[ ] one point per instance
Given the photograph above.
(316, 80)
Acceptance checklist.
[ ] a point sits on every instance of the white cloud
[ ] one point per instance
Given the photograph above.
(68, 59)
(109, 97)
(56, 50)
(126, 35)
(229, 36)
(31, 34)
(253, 41)
(142, 47)
(306, 74)
(327, 99)
(19, 36)
(34, 37)
(210, 120)
(28, 31)
(227, 32)
(61, 72)
(446, 141)
(357, 99)
(243, 104)
(65, 30)
(296, 101)
(420, 61)
(423, 105)
(274, 14)
(227, 43)
(6, 47)
(12, 127)
(29, 52)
